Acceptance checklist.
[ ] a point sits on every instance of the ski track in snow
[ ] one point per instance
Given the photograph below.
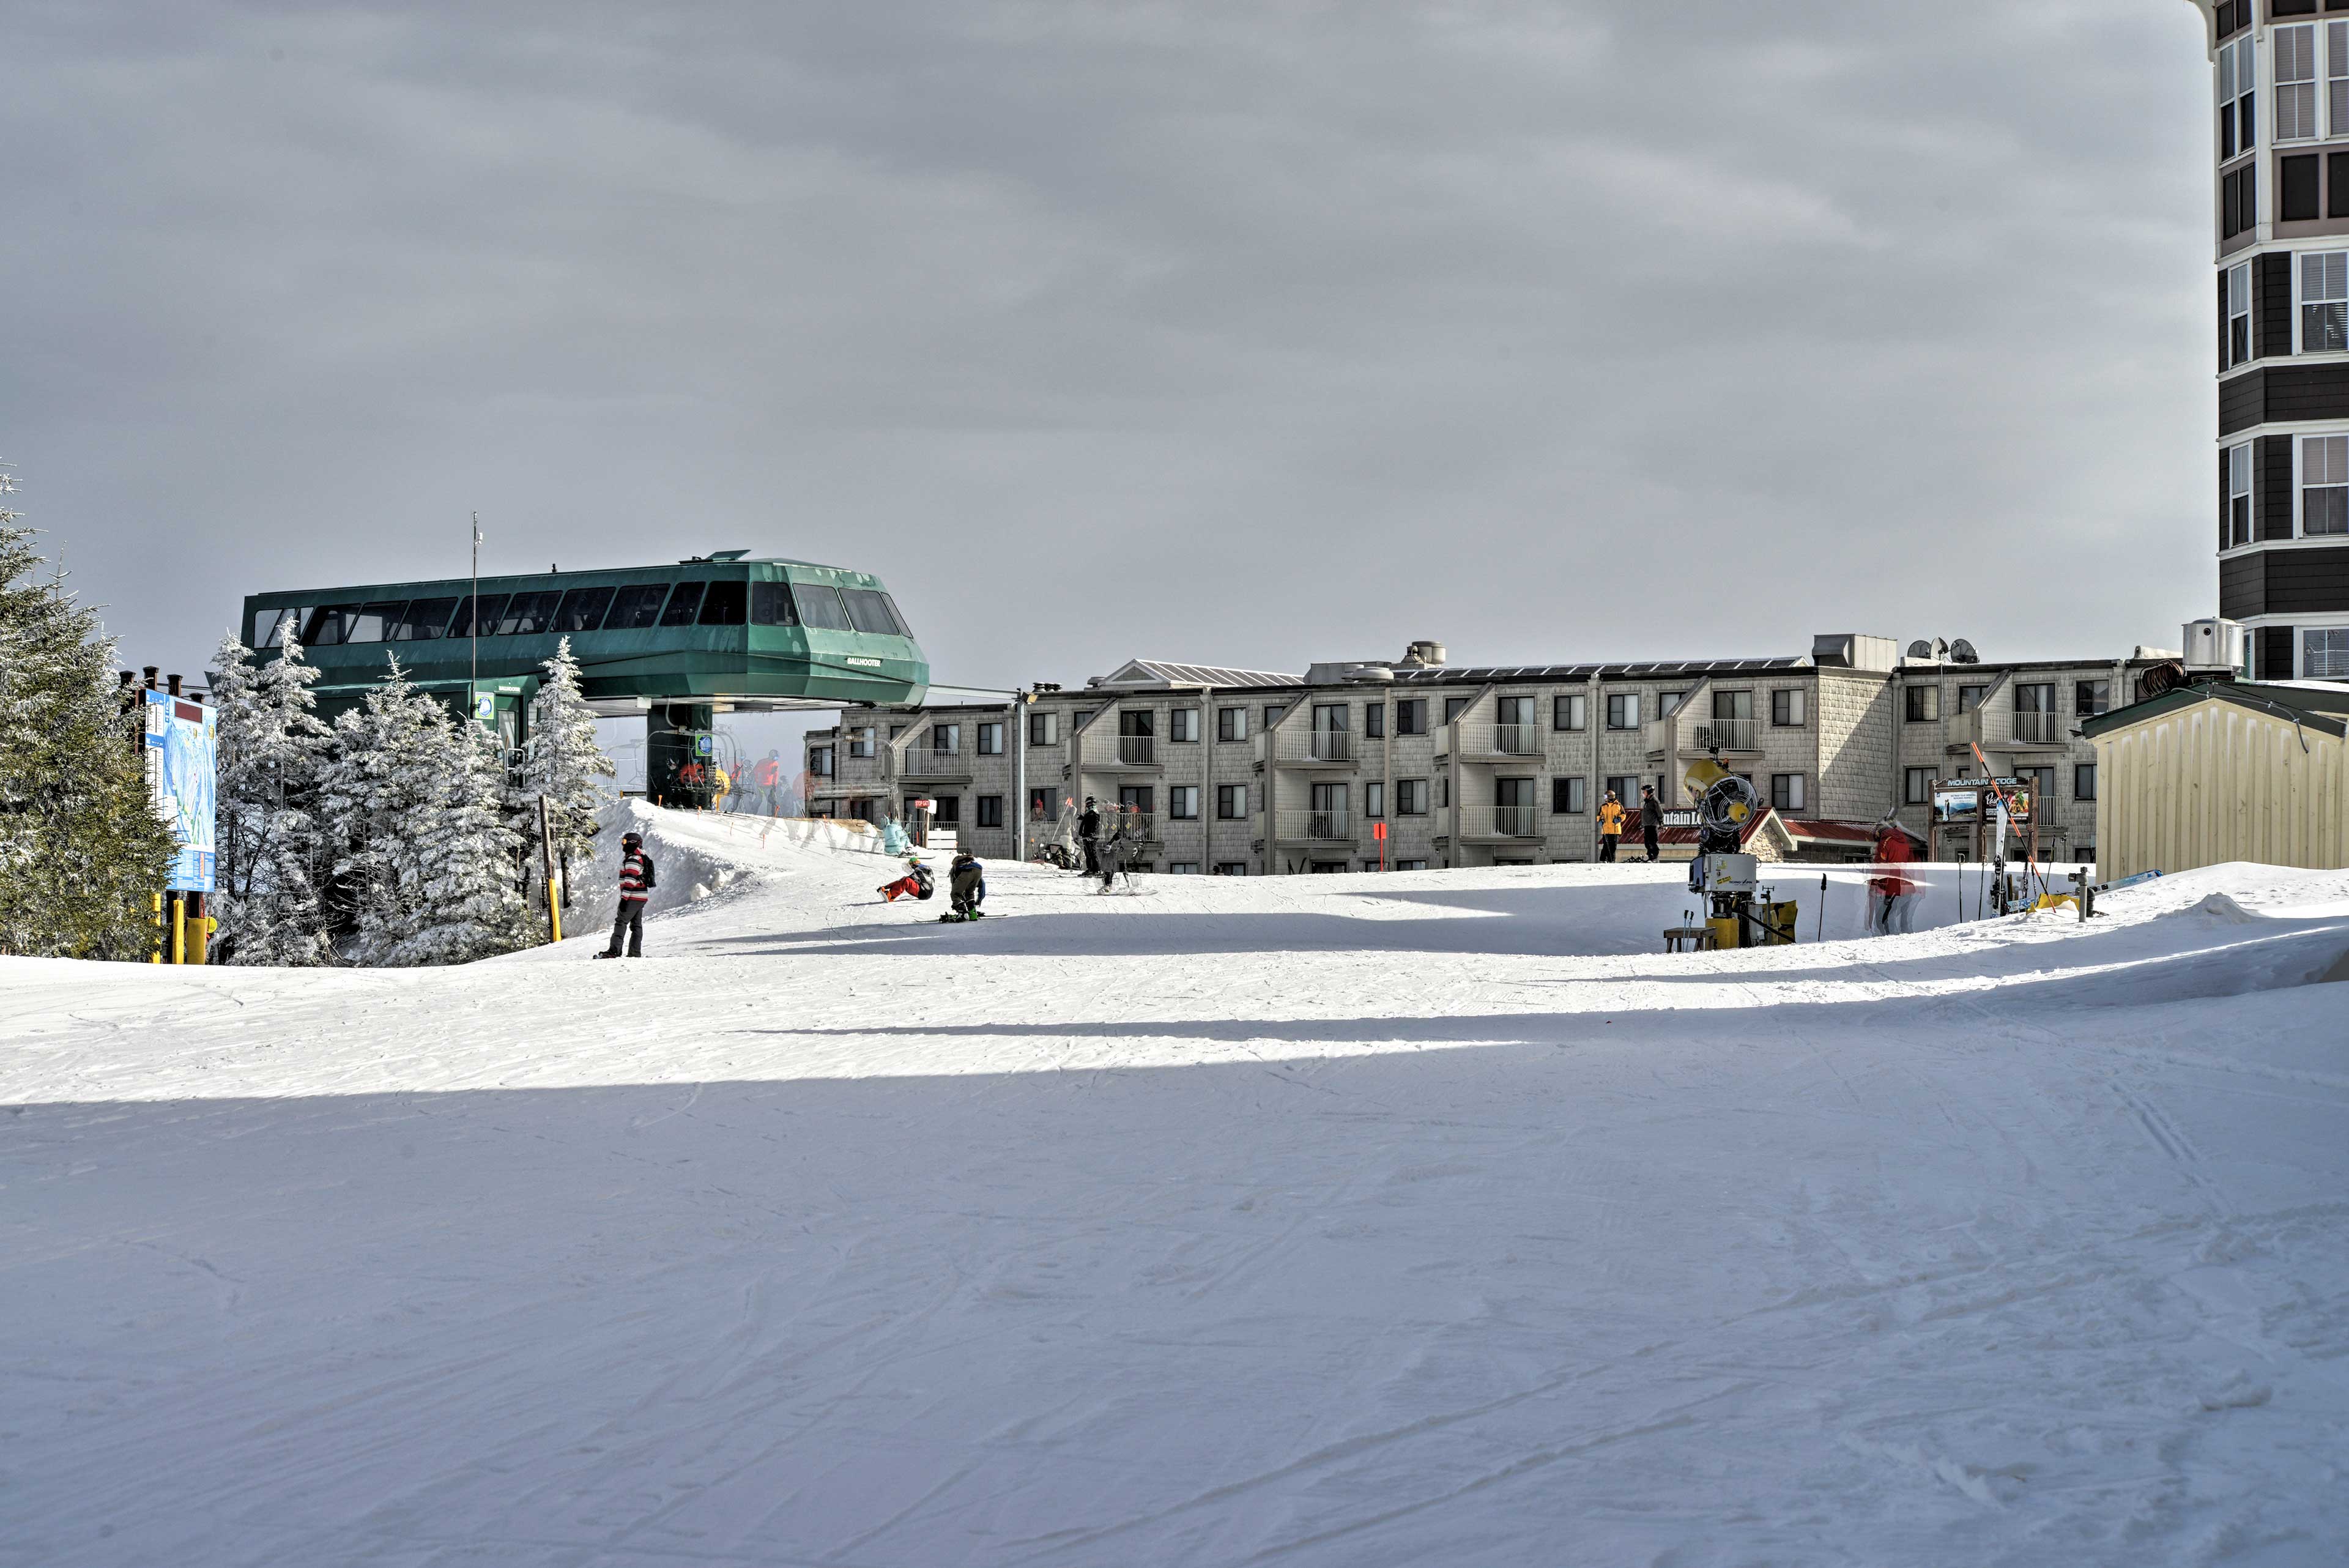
(1429, 1217)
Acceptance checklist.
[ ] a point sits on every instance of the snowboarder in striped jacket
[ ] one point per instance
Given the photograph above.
(637, 881)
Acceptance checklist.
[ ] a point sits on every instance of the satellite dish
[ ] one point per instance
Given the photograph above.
(1940, 648)
(1963, 652)
(1920, 649)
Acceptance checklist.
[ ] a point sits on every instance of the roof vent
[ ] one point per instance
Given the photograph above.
(1423, 653)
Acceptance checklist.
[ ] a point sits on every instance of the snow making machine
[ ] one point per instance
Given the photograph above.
(1740, 912)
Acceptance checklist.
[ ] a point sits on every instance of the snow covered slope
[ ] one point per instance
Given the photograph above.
(1432, 1217)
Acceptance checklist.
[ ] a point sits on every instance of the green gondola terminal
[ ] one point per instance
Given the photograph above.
(679, 644)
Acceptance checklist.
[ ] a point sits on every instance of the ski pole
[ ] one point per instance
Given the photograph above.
(1822, 935)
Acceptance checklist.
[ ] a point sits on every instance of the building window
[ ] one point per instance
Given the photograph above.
(2238, 128)
(2239, 494)
(990, 740)
(949, 811)
(1411, 865)
(2239, 201)
(1183, 802)
(2324, 301)
(1916, 786)
(1971, 697)
(1043, 729)
(2300, 188)
(2238, 314)
(1231, 802)
(1375, 721)
(1231, 868)
(2325, 653)
(1786, 708)
(820, 761)
(2323, 484)
(2040, 782)
(1623, 710)
(860, 742)
(1443, 791)
(2091, 697)
(2083, 781)
(1041, 807)
(1231, 723)
(1569, 712)
(1668, 703)
(1569, 797)
(1183, 725)
(1411, 797)
(1924, 704)
(1786, 791)
(990, 811)
(1182, 869)
(1455, 706)
(1272, 712)
(2296, 76)
(1142, 798)
(1411, 716)
(1374, 799)
(946, 740)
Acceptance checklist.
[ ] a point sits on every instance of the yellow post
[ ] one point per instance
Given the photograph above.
(549, 874)
(179, 929)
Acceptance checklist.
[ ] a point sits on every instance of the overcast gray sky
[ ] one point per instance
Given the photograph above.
(1251, 333)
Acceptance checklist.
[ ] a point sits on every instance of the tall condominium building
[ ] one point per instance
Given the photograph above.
(2280, 139)
(1415, 763)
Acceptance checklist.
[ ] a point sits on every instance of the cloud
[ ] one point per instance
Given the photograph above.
(1243, 333)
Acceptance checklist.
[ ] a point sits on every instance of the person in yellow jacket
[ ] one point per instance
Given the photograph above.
(1611, 826)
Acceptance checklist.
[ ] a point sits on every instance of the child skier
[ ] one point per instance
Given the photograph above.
(967, 879)
(915, 883)
(637, 884)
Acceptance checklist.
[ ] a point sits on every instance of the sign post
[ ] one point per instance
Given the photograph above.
(1379, 832)
(180, 743)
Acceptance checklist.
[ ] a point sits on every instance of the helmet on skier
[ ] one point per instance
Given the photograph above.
(631, 840)
(1088, 800)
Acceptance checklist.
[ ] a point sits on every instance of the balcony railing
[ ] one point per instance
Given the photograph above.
(1500, 822)
(921, 763)
(1308, 827)
(1727, 735)
(2038, 729)
(1516, 740)
(1123, 751)
(1317, 748)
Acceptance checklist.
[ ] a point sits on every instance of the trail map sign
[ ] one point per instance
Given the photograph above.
(182, 756)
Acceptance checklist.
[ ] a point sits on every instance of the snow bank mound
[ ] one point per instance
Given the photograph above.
(703, 855)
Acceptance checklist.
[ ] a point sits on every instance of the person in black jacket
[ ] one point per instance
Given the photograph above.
(637, 884)
(1089, 835)
(1651, 819)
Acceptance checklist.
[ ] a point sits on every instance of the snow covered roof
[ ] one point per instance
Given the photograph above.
(1160, 672)
(1492, 675)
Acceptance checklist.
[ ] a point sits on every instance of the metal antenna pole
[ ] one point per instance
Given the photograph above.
(473, 624)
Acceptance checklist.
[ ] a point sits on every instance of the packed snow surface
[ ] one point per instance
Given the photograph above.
(1434, 1218)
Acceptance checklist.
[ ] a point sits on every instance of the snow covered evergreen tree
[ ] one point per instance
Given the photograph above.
(567, 765)
(81, 847)
(272, 747)
(424, 858)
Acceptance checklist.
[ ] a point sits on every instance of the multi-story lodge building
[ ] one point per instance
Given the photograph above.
(2280, 233)
(1417, 763)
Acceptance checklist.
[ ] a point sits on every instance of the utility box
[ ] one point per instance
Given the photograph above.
(2217, 643)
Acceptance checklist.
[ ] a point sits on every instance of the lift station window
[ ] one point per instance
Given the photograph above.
(682, 604)
(727, 603)
(869, 611)
(633, 608)
(423, 621)
(771, 604)
(583, 609)
(492, 606)
(819, 608)
(528, 615)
